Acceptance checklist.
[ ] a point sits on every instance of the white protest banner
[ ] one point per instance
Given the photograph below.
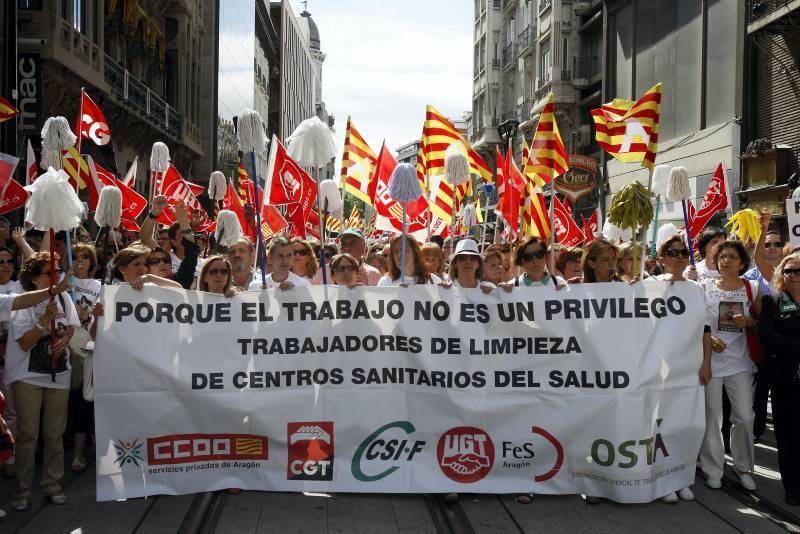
(793, 219)
(592, 389)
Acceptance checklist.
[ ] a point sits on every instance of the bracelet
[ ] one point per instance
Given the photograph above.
(40, 327)
(152, 215)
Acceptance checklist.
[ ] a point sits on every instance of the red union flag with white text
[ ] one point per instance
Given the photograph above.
(92, 123)
(567, 232)
(715, 199)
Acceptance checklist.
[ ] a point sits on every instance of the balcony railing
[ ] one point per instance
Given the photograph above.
(524, 39)
(586, 67)
(508, 55)
(133, 92)
(524, 110)
(588, 150)
(507, 116)
(758, 9)
(544, 4)
(477, 133)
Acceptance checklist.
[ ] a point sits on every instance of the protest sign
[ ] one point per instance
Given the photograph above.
(592, 389)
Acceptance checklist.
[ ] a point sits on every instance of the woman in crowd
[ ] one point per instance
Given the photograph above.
(569, 263)
(159, 263)
(625, 262)
(466, 267)
(530, 257)
(707, 245)
(505, 251)
(779, 326)
(86, 293)
(216, 276)
(130, 266)
(493, 270)
(731, 307)
(377, 260)
(599, 262)
(433, 257)
(344, 270)
(416, 272)
(37, 397)
(304, 262)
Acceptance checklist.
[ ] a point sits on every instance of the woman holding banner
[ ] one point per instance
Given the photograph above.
(530, 257)
(304, 263)
(779, 327)
(130, 266)
(216, 276)
(732, 305)
(344, 270)
(466, 268)
(599, 262)
(416, 272)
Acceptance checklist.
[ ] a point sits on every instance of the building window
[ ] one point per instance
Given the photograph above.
(545, 61)
(79, 15)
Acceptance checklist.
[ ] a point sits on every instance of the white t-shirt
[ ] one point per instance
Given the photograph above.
(33, 367)
(720, 305)
(482, 283)
(388, 281)
(87, 291)
(703, 272)
(11, 288)
(297, 281)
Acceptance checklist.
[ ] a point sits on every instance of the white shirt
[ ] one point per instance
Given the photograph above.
(735, 358)
(388, 281)
(482, 283)
(297, 281)
(19, 365)
(11, 288)
(703, 272)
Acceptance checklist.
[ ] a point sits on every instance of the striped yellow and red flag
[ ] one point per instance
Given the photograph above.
(355, 220)
(629, 130)
(548, 155)
(535, 219)
(438, 134)
(76, 167)
(358, 164)
(478, 211)
(7, 111)
(243, 184)
(333, 224)
(527, 169)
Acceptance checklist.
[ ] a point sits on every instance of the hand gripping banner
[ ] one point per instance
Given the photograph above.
(591, 389)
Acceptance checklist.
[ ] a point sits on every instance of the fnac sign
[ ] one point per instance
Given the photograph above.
(190, 448)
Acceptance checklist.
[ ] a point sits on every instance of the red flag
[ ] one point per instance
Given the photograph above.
(567, 232)
(285, 178)
(512, 184)
(715, 199)
(7, 110)
(300, 213)
(31, 169)
(12, 194)
(175, 187)
(590, 227)
(133, 204)
(272, 221)
(93, 124)
(130, 225)
(233, 202)
(416, 212)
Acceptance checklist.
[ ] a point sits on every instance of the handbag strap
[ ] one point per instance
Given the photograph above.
(749, 291)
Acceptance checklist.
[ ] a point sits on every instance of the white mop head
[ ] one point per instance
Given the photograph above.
(229, 230)
(57, 136)
(331, 198)
(404, 185)
(217, 186)
(250, 133)
(678, 185)
(456, 165)
(109, 207)
(660, 178)
(615, 234)
(469, 217)
(665, 232)
(159, 157)
(53, 202)
(312, 143)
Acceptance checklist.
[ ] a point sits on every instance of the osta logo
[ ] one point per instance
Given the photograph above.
(310, 449)
(384, 451)
(190, 448)
(465, 454)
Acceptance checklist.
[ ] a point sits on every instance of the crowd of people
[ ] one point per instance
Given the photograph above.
(750, 339)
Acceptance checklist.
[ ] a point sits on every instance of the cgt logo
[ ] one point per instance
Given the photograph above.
(190, 448)
(310, 449)
(465, 454)
(387, 447)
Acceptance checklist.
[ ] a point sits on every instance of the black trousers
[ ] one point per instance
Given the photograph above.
(760, 398)
(785, 400)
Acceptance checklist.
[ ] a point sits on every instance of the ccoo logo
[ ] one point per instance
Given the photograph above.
(465, 454)
(310, 449)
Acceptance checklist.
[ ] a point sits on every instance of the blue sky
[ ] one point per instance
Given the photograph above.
(387, 60)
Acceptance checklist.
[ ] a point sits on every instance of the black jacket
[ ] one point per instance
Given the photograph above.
(779, 330)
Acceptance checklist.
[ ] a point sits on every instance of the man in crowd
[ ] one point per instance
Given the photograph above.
(240, 256)
(351, 241)
(280, 256)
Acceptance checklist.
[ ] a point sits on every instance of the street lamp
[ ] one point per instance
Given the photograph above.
(508, 129)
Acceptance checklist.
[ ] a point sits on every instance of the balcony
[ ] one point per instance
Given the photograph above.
(134, 93)
(525, 42)
(766, 9)
(508, 55)
(543, 86)
(544, 4)
(585, 69)
(508, 116)
(524, 111)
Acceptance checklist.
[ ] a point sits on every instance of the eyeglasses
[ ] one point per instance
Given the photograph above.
(300, 252)
(155, 261)
(675, 252)
(345, 269)
(219, 270)
(6, 262)
(777, 244)
(530, 256)
(788, 271)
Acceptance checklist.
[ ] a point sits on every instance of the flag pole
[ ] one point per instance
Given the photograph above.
(552, 228)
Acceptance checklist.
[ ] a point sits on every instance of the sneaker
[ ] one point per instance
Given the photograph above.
(524, 498)
(746, 481)
(714, 482)
(686, 494)
(671, 498)
(592, 500)
(21, 505)
(58, 498)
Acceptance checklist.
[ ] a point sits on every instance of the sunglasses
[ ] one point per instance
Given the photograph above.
(777, 244)
(6, 262)
(60, 271)
(791, 271)
(675, 252)
(156, 261)
(348, 269)
(300, 252)
(530, 256)
(219, 270)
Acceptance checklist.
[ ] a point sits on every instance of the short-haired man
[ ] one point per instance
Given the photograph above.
(351, 241)
(280, 255)
(241, 255)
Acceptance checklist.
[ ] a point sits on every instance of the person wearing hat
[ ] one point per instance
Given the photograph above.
(466, 267)
(351, 241)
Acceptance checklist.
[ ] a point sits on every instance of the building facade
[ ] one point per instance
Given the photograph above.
(139, 60)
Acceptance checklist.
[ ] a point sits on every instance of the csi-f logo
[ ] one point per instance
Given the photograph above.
(627, 453)
(465, 454)
(383, 451)
(310, 449)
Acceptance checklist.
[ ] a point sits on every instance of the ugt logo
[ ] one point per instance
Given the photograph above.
(310, 449)
(465, 454)
(627, 453)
